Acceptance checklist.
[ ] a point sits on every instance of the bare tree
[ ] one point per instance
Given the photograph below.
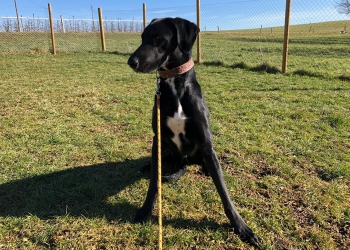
(343, 7)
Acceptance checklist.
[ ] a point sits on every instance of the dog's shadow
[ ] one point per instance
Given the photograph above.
(78, 191)
(82, 191)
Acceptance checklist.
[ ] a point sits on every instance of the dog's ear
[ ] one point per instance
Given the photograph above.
(186, 34)
(154, 20)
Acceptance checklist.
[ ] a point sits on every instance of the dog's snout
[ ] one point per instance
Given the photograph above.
(133, 62)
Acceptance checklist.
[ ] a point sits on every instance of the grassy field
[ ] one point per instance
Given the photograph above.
(75, 129)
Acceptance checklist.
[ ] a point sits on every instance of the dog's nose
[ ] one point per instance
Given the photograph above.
(133, 62)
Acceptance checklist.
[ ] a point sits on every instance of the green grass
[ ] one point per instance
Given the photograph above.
(75, 129)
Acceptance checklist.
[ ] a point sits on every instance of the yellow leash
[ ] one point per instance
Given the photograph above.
(160, 222)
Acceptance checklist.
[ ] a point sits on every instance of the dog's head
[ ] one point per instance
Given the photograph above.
(160, 39)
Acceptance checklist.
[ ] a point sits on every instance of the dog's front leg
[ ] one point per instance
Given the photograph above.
(240, 227)
(148, 205)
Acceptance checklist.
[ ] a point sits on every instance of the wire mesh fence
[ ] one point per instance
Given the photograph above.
(252, 34)
(74, 31)
(242, 33)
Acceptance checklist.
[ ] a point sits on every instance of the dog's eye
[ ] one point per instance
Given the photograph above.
(157, 38)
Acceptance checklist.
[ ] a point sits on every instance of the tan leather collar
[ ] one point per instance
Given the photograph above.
(182, 69)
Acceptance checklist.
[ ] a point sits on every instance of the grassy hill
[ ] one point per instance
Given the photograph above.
(331, 27)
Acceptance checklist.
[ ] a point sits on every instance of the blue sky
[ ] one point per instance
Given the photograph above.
(226, 14)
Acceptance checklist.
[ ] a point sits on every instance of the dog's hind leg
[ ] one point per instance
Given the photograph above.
(174, 176)
(166, 178)
(181, 171)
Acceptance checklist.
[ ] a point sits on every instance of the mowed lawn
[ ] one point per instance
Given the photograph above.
(75, 129)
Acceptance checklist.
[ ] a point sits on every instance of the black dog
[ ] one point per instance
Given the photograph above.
(186, 133)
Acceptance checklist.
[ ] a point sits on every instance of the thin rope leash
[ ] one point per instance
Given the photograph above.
(159, 181)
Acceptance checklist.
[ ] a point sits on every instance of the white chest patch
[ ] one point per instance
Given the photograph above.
(177, 125)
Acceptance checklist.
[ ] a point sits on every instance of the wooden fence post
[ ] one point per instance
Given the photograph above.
(18, 25)
(199, 35)
(52, 31)
(62, 24)
(144, 16)
(102, 31)
(286, 37)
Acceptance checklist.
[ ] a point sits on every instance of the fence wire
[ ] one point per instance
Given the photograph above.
(249, 32)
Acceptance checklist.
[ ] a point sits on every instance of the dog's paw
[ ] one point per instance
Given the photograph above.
(175, 176)
(204, 170)
(247, 235)
(142, 215)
